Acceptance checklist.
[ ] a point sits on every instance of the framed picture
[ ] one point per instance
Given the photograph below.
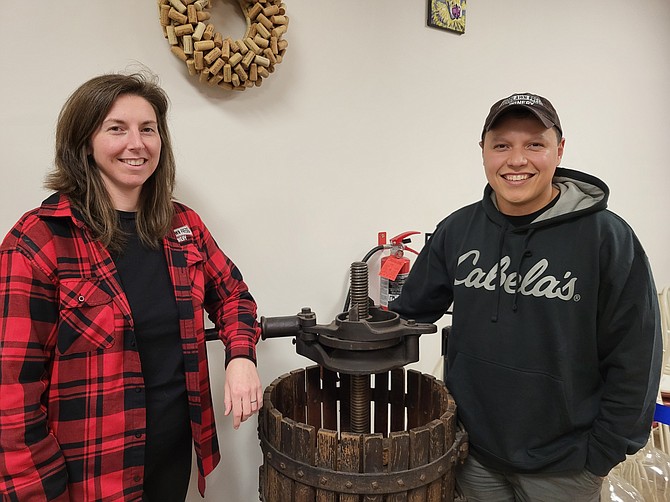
(447, 14)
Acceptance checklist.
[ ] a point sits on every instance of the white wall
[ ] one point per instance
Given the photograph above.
(371, 123)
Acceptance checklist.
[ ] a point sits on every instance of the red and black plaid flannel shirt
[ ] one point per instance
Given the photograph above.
(72, 417)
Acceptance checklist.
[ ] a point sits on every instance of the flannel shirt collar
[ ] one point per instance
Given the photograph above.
(58, 205)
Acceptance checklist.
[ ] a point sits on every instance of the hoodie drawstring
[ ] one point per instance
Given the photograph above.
(498, 283)
(526, 253)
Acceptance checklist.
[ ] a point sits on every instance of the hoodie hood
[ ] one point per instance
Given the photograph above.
(580, 194)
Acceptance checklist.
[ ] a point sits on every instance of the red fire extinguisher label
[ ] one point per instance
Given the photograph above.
(391, 267)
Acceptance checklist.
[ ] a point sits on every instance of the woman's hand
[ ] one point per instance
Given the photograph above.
(243, 394)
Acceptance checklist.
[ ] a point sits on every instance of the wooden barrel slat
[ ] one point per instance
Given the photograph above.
(427, 396)
(313, 388)
(305, 452)
(398, 460)
(440, 402)
(436, 450)
(329, 394)
(397, 400)
(419, 448)
(449, 479)
(274, 438)
(381, 403)
(373, 460)
(349, 459)
(286, 446)
(281, 388)
(449, 418)
(413, 399)
(298, 395)
(286, 401)
(326, 457)
(268, 394)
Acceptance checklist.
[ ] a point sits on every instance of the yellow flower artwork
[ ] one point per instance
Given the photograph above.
(447, 14)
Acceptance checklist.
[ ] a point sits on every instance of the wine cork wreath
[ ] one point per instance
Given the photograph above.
(222, 61)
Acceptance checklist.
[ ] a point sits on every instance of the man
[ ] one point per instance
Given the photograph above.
(554, 355)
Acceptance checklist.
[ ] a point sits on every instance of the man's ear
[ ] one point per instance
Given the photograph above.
(561, 147)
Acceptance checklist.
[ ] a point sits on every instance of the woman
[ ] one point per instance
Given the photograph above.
(104, 381)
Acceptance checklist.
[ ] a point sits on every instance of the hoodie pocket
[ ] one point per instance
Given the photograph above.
(516, 415)
(86, 317)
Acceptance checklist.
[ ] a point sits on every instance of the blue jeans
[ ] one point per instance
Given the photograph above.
(481, 484)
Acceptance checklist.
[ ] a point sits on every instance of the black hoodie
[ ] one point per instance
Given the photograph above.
(554, 356)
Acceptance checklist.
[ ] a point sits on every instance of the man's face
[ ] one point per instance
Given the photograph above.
(520, 157)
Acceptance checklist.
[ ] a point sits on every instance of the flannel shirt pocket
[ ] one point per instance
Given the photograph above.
(195, 264)
(86, 317)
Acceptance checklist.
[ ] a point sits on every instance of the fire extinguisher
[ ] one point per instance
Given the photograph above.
(394, 268)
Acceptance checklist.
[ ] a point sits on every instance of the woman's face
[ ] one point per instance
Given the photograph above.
(126, 148)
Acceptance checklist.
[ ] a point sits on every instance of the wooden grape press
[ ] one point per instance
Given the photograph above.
(357, 427)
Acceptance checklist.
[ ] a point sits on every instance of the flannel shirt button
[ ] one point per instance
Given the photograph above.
(138, 389)
(81, 299)
(137, 479)
(138, 435)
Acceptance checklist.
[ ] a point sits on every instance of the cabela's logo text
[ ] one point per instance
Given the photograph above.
(533, 283)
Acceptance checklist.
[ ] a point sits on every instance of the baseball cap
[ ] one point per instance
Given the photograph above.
(541, 108)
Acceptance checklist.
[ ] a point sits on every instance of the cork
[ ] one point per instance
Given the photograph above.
(179, 7)
(204, 45)
(179, 52)
(177, 16)
(212, 55)
(183, 29)
(192, 14)
(171, 36)
(198, 31)
(187, 43)
(164, 17)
